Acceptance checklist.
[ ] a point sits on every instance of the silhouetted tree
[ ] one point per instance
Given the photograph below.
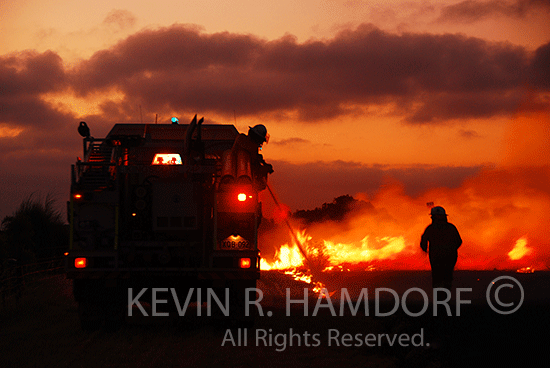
(3, 247)
(335, 211)
(34, 230)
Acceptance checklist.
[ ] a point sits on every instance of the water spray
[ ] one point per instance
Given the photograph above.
(314, 271)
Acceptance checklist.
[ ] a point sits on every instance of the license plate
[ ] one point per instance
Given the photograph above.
(235, 243)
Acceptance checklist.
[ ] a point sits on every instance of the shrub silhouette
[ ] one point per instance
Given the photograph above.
(34, 231)
(335, 211)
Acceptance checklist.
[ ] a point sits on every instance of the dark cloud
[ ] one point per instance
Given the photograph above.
(39, 157)
(468, 134)
(169, 53)
(446, 106)
(443, 76)
(428, 78)
(30, 73)
(470, 11)
(23, 78)
(540, 67)
(33, 113)
(38, 160)
(290, 141)
(119, 19)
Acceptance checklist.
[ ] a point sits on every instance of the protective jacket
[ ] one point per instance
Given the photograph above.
(260, 168)
(441, 240)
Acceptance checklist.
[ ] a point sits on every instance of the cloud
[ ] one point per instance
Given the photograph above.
(428, 79)
(433, 78)
(30, 73)
(119, 19)
(468, 134)
(540, 68)
(37, 142)
(447, 106)
(470, 11)
(424, 78)
(290, 141)
(24, 78)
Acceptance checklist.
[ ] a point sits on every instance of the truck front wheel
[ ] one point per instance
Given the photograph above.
(98, 303)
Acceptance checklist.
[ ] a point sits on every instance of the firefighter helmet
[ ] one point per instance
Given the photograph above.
(438, 211)
(260, 132)
(84, 130)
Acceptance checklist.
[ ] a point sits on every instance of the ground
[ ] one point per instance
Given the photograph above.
(43, 329)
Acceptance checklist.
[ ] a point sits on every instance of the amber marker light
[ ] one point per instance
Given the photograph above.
(167, 159)
(80, 263)
(245, 263)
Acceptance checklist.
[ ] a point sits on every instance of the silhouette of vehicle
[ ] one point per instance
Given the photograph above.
(161, 206)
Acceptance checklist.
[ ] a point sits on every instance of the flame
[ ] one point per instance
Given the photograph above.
(332, 254)
(287, 257)
(299, 275)
(520, 250)
(362, 252)
(329, 255)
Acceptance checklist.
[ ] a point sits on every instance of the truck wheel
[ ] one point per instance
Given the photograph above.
(97, 303)
(116, 308)
(237, 303)
(90, 315)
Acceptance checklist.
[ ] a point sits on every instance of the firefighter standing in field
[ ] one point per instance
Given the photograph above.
(441, 241)
(252, 143)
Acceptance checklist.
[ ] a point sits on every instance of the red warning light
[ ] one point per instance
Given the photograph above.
(77, 196)
(80, 263)
(245, 263)
(241, 197)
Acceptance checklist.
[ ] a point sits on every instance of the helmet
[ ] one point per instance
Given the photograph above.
(438, 211)
(260, 131)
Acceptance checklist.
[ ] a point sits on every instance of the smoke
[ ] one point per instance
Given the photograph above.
(527, 141)
(501, 212)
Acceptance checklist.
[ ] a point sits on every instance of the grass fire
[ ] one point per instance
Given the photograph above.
(500, 215)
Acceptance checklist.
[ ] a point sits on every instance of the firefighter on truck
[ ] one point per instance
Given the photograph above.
(252, 143)
(165, 206)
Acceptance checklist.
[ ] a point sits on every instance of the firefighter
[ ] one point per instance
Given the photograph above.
(441, 241)
(252, 143)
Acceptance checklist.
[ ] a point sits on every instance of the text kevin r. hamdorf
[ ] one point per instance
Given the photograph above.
(336, 309)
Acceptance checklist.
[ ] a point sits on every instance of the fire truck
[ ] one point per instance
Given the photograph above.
(161, 206)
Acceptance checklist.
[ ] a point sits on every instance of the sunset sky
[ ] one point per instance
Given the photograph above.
(446, 101)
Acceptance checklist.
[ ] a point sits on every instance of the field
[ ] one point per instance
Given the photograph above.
(43, 330)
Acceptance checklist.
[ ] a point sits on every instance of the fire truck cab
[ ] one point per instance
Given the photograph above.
(161, 206)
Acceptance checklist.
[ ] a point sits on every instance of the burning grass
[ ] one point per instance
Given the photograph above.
(501, 214)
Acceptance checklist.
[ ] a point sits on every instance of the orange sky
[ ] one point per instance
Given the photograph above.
(353, 93)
